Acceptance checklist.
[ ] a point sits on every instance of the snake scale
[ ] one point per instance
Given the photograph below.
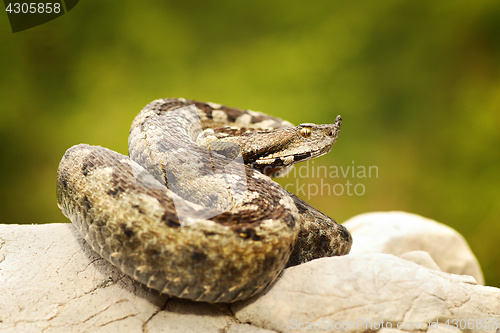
(184, 215)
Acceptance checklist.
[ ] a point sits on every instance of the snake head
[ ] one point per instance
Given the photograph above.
(293, 145)
(274, 151)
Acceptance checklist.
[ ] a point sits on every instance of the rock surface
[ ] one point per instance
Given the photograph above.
(51, 281)
(421, 258)
(399, 232)
(368, 288)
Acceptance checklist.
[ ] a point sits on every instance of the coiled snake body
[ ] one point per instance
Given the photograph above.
(184, 216)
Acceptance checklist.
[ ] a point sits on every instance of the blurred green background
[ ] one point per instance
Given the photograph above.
(416, 82)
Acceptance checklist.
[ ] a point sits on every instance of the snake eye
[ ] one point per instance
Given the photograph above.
(305, 132)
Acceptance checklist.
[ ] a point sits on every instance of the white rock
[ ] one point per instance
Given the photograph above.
(422, 258)
(367, 289)
(242, 328)
(52, 281)
(400, 232)
(181, 316)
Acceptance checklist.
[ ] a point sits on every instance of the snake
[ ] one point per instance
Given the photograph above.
(192, 211)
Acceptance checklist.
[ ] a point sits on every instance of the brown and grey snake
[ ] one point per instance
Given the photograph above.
(184, 215)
